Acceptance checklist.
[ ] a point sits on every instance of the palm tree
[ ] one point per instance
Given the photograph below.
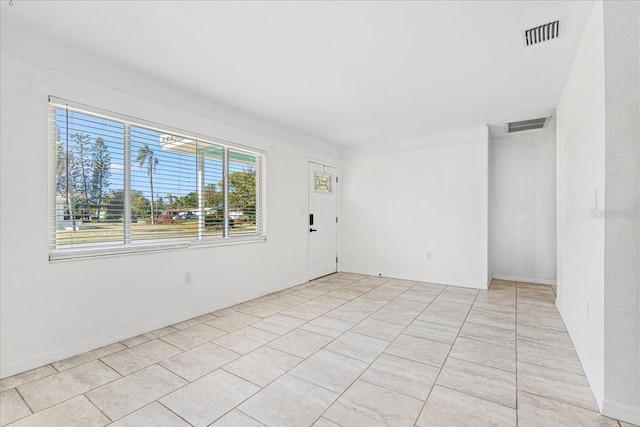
(145, 155)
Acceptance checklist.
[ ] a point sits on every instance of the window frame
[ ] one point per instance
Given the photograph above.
(127, 246)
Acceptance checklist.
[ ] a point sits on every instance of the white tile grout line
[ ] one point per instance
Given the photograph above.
(25, 402)
(435, 382)
(441, 368)
(307, 321)
(303, 359)
(244, 379)
(96, 406)
(332, 340)
(383, 351)
(321, 348)
(308, 299)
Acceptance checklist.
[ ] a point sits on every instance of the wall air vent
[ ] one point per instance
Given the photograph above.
(527, 125)
(542, 33)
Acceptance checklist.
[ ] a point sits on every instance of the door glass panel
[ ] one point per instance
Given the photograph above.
(322, 182)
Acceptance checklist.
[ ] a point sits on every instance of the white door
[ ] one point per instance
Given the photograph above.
(322, 221)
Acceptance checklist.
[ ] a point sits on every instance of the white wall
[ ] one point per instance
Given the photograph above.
(52, 310)
(622, 234)
(580, 174)
(523, 207)
(398, 207)
(490, 203)
(599, 234)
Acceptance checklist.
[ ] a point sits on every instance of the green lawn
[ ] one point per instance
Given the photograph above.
(114, 232)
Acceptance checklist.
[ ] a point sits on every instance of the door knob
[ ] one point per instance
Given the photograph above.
(311, 230)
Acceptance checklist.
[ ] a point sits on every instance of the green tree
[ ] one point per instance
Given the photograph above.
(113, 206)
(69, 178)
(242, 192)
(140, 205)
(66, 176)
(145, 155)
(82, 166)
(190, 201)
(159, 205)
(101, 165)
(212, 197)
(61, 166)
(171, 198)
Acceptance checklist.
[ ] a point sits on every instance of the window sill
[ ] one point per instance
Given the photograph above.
(139, 249)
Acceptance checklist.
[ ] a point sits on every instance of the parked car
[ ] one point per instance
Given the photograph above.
(185, 215)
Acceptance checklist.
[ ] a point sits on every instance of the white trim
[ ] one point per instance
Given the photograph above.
(104, 249)
(124, 118)
(336, 196)
(318, 161)
(101, 252)
(551, 282)
(75, 349)
(621, 411)
(402, 276)
(594, 384)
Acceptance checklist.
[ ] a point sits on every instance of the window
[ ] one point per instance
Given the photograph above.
(322, 182)
(120, 184)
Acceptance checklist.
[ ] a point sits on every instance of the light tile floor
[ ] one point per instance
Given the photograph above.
(344, 350)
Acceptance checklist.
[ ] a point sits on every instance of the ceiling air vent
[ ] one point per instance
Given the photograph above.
(527, 125)
(542, 33)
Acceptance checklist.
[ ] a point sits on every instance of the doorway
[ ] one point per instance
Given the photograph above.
(323, 227)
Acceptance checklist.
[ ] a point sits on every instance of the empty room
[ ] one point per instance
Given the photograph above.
(319, 213)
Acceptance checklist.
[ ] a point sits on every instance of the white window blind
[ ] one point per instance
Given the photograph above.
(120, 184)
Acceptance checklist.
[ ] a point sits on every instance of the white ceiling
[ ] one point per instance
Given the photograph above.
(349, 74)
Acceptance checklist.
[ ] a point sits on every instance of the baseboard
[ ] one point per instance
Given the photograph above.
(551, 282)
(621, 411)
(402, 276)
(72, 350)
(595, 384)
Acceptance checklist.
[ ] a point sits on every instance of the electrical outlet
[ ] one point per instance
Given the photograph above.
(187, 279)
